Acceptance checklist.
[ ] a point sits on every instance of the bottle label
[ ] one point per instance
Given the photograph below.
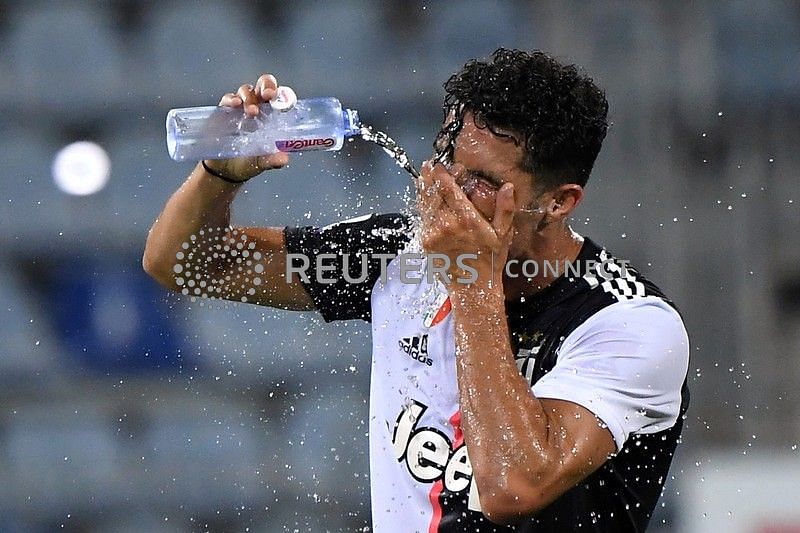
(297, 145)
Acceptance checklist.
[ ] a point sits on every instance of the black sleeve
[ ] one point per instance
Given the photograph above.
(351, 241)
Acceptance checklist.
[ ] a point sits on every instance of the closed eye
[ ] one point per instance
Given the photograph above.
(488, 180)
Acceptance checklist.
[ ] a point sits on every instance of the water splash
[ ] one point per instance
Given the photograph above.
(390, 147)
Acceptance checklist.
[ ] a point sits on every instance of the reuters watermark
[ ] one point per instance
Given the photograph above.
(413, 268)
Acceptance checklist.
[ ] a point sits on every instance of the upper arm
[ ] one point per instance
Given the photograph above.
(626, 364)
(577, 443)
(580, 443)
(619, 373)
(350, 251)
(240, 264)
(251, 265)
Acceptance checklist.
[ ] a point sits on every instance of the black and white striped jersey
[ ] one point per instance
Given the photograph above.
(603, 337)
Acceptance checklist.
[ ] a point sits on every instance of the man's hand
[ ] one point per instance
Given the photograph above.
(452, 225)
(194, 230)
(250, 97)
(525, 452)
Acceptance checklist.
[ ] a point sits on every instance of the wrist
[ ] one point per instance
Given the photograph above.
(211, 171)
(481, 276)
(484, 291)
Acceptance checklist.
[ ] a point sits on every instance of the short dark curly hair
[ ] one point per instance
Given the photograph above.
(556, 110)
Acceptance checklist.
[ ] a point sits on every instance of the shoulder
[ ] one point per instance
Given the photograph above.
(396, 221)
(641, 345)
(626, 363)
(623, 311)
(647, 318)
(367, 233)
(614, 276)
(347, 260)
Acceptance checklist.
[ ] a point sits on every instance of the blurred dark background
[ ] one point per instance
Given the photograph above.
(124, 408)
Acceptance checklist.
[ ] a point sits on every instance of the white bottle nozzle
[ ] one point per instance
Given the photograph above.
(285, 99)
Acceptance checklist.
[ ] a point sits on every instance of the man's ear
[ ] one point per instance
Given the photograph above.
(565, 199)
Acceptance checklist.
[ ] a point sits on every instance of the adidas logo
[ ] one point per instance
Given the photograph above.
(417, 348)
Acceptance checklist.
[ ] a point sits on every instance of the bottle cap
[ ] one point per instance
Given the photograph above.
(284, 100)
(352, 124)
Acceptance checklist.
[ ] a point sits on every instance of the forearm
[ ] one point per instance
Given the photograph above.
(202, 202)
(505, 426)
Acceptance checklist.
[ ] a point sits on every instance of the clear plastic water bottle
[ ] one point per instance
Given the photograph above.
(283, 125)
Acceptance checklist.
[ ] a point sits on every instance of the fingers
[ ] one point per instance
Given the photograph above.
(266, 87)
(438, 186)
(264, 91)
(423, 182)
(249, 99)
(435, 216)
(272, 161)
(427, 197)
(230, 100)
(450, 192)
(504, 210)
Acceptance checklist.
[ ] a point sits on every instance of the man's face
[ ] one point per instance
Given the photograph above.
(482, 163)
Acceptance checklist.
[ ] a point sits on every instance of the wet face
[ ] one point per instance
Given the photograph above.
(482, 162)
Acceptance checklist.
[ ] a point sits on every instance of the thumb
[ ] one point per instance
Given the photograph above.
(504, 210)
(272, 161)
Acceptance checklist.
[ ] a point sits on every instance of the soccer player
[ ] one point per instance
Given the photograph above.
(545, 392)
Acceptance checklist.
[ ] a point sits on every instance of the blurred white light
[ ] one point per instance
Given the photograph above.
(81, 168)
